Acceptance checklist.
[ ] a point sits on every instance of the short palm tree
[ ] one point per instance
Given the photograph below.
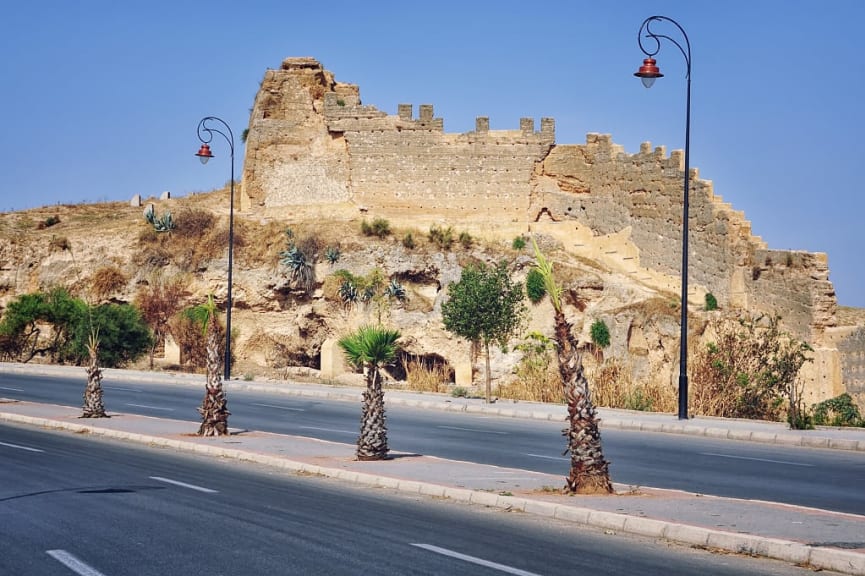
(370, 348)
(93, 406)
(214, 407)
(590, 471)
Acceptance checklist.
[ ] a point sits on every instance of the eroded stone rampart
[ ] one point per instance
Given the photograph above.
(311, 141)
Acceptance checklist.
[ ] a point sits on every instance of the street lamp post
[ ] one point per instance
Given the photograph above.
(648, 72)
(205, 135)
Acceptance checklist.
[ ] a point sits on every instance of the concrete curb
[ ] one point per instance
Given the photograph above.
(843, 561)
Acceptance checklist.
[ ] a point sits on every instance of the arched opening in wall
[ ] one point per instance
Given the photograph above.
(422, 372)
(300, 357)
(546, 214)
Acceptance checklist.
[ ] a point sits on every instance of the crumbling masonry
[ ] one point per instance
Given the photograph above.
(312, 142)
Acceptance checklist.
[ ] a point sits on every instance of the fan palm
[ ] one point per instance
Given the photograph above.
(589, 473)
(370, 348)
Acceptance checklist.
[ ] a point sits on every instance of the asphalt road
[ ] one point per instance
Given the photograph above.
(94, 507)
(825, 479)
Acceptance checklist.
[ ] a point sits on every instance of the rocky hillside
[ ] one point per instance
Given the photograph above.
(280, 326)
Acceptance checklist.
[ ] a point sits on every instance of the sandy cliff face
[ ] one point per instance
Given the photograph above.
(278, 326)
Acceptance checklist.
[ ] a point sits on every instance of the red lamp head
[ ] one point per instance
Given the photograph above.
(204, 153)
(648, 72)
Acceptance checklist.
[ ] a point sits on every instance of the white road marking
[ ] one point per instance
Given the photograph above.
(151, 407)
(472, 430)
(121, 388)
(352, 432)
(548, 457)
(19, 447)
(474, 560)
(757, 459)
(184, 485)
(279, 407)
(73, 563)
(11, 389)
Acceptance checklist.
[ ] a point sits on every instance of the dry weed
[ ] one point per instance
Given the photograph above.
(107, 280)
(425, 376)
(613, 385)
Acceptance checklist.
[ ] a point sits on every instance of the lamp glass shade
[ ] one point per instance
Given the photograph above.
(647, 82)
(204, 153)
(648, 72)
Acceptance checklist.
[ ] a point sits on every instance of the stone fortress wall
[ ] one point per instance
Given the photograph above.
(311, 142)
(602, 187)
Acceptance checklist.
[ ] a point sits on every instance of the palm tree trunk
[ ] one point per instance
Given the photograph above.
(93, 406)
(589, 472)
(214, 408)
(372, 442)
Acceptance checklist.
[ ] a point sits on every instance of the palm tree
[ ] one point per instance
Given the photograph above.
(214, 407)
(590, 471)
(93, 406)
(371, 348)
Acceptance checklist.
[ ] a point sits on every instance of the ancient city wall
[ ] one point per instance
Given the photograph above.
(313, 142)
(852, 351)
(290, 156)
(412, 164)
(601, 186)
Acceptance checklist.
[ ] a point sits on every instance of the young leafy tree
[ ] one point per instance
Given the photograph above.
(121, 336)
(485, 307)
(214, 407)
(158, 302)
(370, 348)
(590, 471)
(20, 327)
(65, 314)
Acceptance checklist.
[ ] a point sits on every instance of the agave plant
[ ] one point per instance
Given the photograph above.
(163, 224)
(348, 292)
(332, 254)
(300, 268)
(395, 290)
(371, 348)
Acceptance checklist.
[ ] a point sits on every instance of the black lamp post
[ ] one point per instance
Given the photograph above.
(205, 134)
(648, 72)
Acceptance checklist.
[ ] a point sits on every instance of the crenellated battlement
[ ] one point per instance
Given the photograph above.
(312, 141)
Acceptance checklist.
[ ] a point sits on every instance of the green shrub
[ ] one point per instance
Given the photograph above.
(48, 222)
(600, 333)
(466, 239)
(123, 335)
(535, 287)
(838, 411)
(408, 241)
(459, 392)
(711, 302)
(519, 243)
(441, 237)
(379, 228)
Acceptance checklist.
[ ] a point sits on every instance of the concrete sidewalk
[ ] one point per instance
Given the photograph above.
(804, 536)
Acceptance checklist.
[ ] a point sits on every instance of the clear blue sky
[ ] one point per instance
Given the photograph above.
(100, 98)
